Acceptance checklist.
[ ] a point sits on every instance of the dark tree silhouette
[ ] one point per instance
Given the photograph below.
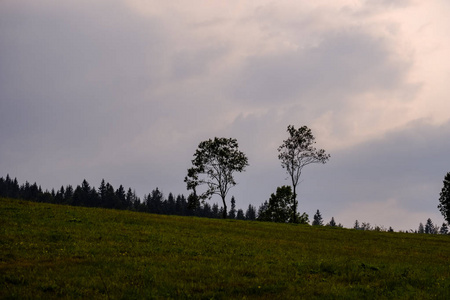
(232, 213)
(297, 152)
(250, 214)
(429, 227)
(444, 199)
(214, 163)
(278, 208)
(332, 222)
(317, 221)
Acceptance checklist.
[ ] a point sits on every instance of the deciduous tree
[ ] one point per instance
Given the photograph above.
(444, 199)
(214, 163)
(297, 152)
(278, 208)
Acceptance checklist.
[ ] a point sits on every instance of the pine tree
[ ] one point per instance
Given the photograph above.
(444, 229)
(332, 222)
(240, 215)
(317, 219)
(232, 212)
(250, 214)
(120, 194)
(421, 229)
(170, 205)
(429, 227)
(215, 211)
(356, 226)
(181, 205)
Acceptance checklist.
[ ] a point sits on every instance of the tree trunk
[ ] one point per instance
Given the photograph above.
(294, 205)
(224, 208)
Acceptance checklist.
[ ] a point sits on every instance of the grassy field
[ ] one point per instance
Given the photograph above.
(53, 251)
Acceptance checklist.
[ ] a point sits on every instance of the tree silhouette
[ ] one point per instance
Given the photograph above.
(297, 152)
(317, 221)
(444, 199)
(278, 208)
(214, 163)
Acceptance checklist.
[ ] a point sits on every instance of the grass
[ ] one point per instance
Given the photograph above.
(54, 251)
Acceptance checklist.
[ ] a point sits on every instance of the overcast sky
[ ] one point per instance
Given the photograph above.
(125, 90)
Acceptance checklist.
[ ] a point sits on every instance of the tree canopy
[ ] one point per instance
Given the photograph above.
(444, 199)
(296, 152)
(214, 163)
(278, 208)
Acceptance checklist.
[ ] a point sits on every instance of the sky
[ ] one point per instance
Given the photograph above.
(125, 90)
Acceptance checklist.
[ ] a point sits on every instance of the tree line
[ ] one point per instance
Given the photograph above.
(276, 209)
(106, 196)
(214, 163)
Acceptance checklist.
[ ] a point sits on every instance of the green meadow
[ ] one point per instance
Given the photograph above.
(56, 251)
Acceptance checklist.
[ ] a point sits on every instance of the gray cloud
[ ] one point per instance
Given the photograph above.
(343, 64)
(96, 90)
(407, 165)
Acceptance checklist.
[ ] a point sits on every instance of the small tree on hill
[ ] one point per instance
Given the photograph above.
(444, 229)
(421, 229)
(214, 163)
(317, 219)
(278, 208)
(429, 227)
(240, 215)
(232, 213)
(250, 214)
(332, 222)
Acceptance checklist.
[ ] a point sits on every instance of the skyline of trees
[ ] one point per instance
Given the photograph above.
(105, 196)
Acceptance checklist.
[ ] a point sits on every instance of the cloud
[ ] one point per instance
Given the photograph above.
(125, 90)
(404, 169)
(343, 65)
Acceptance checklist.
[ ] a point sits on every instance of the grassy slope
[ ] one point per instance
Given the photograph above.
(52, 251)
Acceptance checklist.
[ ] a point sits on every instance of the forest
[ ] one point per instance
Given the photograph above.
(106, 196)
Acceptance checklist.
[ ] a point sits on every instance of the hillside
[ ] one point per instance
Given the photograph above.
(55, 251)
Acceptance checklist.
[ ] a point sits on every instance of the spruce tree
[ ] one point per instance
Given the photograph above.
(429, 227)
(240, 215)
(250, 214)
(317, 219)
(232, 212)
(332, 222)
(421, 229)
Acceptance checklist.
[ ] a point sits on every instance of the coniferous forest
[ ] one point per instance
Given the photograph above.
(106, 196)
